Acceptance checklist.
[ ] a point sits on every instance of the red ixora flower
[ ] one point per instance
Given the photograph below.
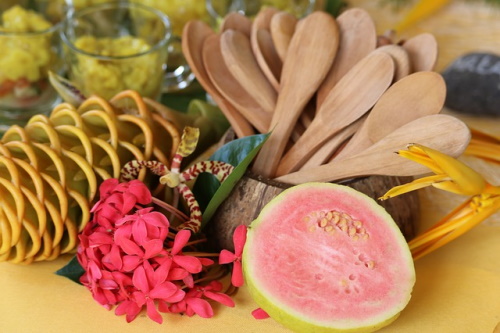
(134, 260)
(193, 303)
(226, 257)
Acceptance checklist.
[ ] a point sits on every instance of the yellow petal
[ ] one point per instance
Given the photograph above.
(449, 186)
(482, 136)
(421, 10)
(470, 182)
(416, 154)
(485, 150)
(414, 185)
(464, 225)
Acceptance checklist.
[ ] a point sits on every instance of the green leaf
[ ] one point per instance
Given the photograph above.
(180, 100)
(334, 7)
(208, 191)
(73, 270)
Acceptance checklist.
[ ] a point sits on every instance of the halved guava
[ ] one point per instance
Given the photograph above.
(323, 257)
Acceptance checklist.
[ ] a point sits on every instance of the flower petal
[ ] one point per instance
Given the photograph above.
(237, 275)
(152, 312)
(201, 307)
(220, 297)
(180, 240)
(130, 263)
(260, 314)
(129, 247)
(139, 232)
(152, 248)
(226, 257)
(129, 308)
(163, 290)
(113, 259)
(239, 239)
(177, 273)
(189, 263)
(140, 191)
(177, 296)
(156, 219)
(140, 280)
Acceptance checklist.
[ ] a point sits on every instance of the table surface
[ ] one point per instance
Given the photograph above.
(457, 288)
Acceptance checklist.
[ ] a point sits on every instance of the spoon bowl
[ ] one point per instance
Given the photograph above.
(282, 27)
(444, 133)
(236, 21)
(242, 64)
(193, 37)
(310, 55)
(423, 51)
(417, 95)
(230, 88)
(358, 38)
(260, 38)
(350, 99)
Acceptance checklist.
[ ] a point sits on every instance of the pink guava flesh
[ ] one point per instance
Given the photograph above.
(304, 257)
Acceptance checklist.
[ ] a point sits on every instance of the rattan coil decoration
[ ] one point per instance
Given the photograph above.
(50, 169)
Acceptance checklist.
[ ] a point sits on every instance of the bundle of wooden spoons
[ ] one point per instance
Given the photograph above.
(335, 101)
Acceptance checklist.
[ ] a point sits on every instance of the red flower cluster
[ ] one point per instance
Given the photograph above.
(130, 261)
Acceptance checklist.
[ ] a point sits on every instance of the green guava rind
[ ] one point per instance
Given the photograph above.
(280, 312)
(299, 325)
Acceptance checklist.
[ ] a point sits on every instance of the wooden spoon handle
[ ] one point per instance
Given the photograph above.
(329, 148)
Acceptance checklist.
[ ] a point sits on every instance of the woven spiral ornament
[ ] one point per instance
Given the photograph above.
(51, 169)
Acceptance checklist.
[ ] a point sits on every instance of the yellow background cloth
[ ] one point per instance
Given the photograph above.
(457, 288)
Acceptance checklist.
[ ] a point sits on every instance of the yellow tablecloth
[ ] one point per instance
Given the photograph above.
(457, 288)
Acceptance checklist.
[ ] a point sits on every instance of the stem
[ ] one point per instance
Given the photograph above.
(201, 254)
(170, 208)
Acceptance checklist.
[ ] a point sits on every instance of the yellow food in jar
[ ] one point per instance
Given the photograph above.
(57, 8)
(25, 56)
(106, 77)
(179, 11)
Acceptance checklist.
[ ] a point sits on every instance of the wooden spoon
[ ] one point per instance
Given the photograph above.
(401, 60)
(242, 64)
(326, 151)
(310, 55)
(417, 95)
(444, 133)
(230, 88)
(351, 97)
(269, 54)
(358, 37)
(423, 51)
(193, 36)
(236, 21)
(282, 28)
(262, 22)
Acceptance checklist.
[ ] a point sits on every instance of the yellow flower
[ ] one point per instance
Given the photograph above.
(484, 146)
(453, 176)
